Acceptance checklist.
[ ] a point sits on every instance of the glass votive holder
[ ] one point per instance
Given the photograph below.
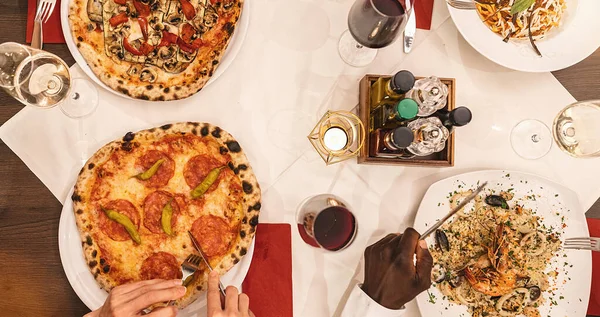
(338, 136)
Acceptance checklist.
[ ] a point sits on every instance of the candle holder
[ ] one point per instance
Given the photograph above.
(338, 136)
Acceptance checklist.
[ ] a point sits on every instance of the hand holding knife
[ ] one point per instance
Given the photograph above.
(205, 258)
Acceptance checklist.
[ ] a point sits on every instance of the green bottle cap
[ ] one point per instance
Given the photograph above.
(407, 108)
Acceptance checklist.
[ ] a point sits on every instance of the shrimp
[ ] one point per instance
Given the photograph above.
(491, 274)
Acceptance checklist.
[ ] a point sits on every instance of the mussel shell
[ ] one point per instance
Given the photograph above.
(496, 201)
(438, 273)
(455, 280)
(442, 240)
(534, 292)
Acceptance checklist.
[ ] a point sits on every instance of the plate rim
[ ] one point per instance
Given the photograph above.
(233, 48)
(588, 256)
(64, 230)
(461, 27)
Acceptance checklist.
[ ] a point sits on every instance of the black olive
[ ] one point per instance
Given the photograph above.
(534, 292)
(442, 240)
(120, 55)
(496, 201)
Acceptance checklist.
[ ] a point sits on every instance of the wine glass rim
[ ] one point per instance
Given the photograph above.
(26, 50)
(409, 11)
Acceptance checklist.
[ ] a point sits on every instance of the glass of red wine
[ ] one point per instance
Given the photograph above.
(326, 222)
(372, 24)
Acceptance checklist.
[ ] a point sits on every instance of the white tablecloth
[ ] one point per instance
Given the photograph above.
(287, 74)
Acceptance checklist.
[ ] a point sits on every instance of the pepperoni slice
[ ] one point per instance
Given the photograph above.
(165, 171)
(214, 234)
(153, 206)
(113, 229)
(198, 167)
(160, 265)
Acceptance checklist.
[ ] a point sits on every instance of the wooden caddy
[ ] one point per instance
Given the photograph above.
(445, 158)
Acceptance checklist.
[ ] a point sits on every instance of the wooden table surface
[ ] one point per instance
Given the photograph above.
(32, 282)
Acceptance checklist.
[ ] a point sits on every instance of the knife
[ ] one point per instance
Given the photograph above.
(409, 32)
(463, 203)
(205, 258)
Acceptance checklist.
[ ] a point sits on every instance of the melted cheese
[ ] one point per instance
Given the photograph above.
(135, 31)
(220, 202)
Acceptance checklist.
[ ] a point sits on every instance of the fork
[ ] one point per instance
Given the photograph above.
(462, 4)
(189, 267)
(584, 243)
(44, 11)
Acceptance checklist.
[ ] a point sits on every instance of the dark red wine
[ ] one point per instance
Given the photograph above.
(334, 228)
(377, 23)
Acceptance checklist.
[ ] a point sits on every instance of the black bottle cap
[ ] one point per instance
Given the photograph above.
(402, 82)
(402, 137)
(461, 116)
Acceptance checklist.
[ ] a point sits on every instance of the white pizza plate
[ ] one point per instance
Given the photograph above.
(83, 283)
(575, 40)
(235, 44)
(555, 202)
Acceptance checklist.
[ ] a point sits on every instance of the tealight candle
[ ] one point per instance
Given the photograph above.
(335, 139)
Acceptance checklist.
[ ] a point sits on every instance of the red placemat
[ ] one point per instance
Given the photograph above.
(424, 11)
(594, 307)
(269, 280)
(52, 28)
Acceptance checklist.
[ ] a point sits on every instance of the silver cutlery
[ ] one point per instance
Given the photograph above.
(189, 267)
(462, 4)
(205, 258)
(463, 203)
(584, 243)
(44, 11)
(409, 32)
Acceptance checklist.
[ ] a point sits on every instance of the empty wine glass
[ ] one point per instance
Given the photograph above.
(40, 79)
(576, 130)
(372, 24)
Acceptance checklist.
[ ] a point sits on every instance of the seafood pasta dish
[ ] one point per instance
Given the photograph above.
(493, 257)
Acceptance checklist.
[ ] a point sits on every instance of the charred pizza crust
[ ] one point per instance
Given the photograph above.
(156, 84)
(99, 259)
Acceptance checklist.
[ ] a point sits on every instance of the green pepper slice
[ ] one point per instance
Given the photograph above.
(151, 171)
(210, 179)
(165, 218)
(125, 222)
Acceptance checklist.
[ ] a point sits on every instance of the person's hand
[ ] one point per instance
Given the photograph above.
(130, 299)
(391, 277)
(236, 305)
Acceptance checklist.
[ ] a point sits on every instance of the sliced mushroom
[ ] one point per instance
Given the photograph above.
(109, 6)
(166, 52)
(184, 57)
(148, 75)
(134, 70)
(210, 17)
(227, 5)
(94, 10)
(174, 18)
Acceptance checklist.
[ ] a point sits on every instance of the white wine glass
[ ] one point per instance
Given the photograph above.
(576, 131)
(40, 79)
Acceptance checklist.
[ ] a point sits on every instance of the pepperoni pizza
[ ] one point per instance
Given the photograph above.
(136, 199)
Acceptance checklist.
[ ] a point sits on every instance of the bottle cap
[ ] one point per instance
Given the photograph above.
(402, 82)
(402, 137)
(407, 108)
(461, 116)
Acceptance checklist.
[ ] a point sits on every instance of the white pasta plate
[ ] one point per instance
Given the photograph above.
(562, 47)
(83, 283)
(554, 204)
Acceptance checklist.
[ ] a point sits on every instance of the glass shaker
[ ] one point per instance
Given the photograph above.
(430, 94)
(430, 136)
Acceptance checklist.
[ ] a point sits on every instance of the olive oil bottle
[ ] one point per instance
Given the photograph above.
(391, 90)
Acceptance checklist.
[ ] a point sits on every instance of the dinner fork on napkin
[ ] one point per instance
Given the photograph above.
(44, 11)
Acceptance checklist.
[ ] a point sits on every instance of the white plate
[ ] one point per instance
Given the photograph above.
(235, 44)
(83, 283)
(576, 292)
(575, 40)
